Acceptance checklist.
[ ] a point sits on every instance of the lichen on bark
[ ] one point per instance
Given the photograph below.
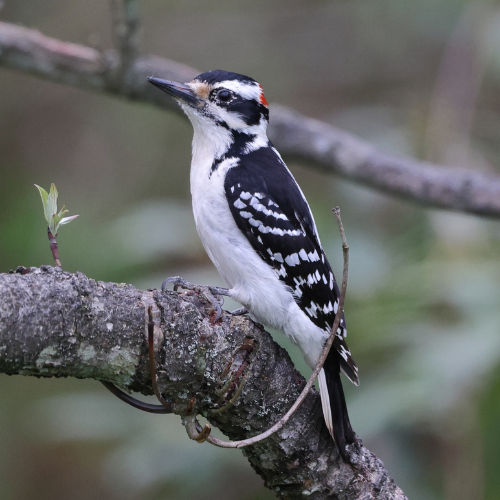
(55, 324)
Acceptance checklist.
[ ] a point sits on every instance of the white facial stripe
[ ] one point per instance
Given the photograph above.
(247, 90)
(233, 120)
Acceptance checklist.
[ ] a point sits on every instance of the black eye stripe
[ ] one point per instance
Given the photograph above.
(249, 110)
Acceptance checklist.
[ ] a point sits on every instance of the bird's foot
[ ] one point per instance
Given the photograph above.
(176, 282)
(209, 292)
(240, 311)
(218, 291)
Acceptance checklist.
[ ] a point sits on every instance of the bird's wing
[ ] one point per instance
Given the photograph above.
(271, 211)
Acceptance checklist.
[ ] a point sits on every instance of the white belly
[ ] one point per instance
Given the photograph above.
(251, 280)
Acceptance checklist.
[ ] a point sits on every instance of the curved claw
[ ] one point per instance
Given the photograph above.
(217, 290)
(213, 292)
(177, 281)
(240, 311)
(218, 310)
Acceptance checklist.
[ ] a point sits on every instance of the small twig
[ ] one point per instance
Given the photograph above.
(165, 406)
(152, 361)
(55, 218)
(126, 24)
(202, 432)
(54, 248)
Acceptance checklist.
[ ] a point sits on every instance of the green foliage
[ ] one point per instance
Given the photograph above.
(52, 216)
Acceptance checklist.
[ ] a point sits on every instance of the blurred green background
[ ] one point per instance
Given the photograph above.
(423, 306)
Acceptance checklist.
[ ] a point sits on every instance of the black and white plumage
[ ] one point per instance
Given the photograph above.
(258, 230)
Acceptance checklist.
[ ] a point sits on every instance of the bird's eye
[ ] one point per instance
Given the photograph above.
(224, 95)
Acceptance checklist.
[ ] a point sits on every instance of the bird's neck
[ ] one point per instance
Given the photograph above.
(214, 144)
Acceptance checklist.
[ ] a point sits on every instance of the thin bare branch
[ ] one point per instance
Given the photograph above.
(459, 78)
(152, 361)
(316, 142)
(126, 24)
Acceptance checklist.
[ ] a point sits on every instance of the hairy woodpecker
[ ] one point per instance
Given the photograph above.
(258, 229)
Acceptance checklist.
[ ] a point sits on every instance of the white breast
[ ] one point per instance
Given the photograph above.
(251, 280)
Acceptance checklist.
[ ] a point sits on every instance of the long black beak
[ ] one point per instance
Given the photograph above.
(177, 90)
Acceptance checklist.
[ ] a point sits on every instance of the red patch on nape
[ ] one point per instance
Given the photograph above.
(262, 98)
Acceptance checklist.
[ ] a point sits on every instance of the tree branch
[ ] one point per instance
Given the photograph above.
(294, 134)
(57, 324)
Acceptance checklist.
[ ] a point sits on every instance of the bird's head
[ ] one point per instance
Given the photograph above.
(221, 99)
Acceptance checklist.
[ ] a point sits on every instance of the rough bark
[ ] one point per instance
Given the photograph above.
(318, 143)
(57, 324)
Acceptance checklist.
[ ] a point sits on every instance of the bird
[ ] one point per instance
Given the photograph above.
(258, 229)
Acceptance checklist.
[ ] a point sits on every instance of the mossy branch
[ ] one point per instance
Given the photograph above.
(57, 324)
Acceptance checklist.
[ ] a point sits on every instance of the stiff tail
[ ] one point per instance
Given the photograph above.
(334, 405)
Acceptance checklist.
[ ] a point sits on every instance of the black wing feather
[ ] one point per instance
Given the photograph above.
(271, 212)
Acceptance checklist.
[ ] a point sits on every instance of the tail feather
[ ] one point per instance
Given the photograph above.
(334, 405)
(347, 364)
(325, 401)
